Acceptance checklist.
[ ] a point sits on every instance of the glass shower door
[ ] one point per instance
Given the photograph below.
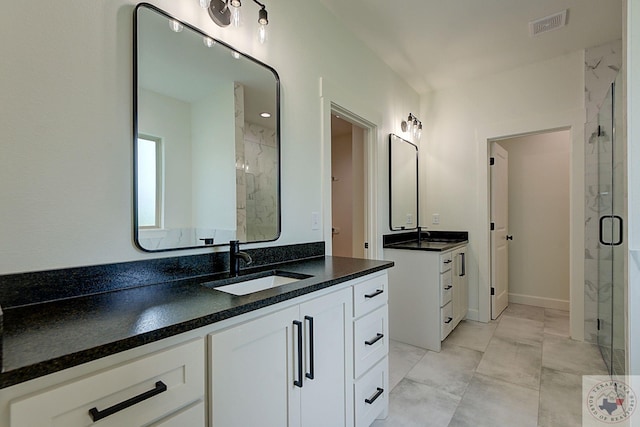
(611, 327)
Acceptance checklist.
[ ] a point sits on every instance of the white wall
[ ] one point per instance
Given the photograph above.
(66, 121)
(170, 120)
(459, 121)
(539, 219)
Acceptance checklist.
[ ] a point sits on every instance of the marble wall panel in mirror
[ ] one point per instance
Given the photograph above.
(403, 184)
(206, 139)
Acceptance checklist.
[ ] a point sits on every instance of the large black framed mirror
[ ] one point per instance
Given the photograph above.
(403, 184)
(206, 143)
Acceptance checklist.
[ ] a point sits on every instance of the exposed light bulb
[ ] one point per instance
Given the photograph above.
(234, 5)
(208, 41)
(265, 115)
(415, 127)
(205, 4)
(262, 34)
(263, 21)
(419, 131)
(175, 26)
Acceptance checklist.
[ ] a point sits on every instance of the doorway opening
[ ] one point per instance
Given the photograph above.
(348, 188)
(534, 226)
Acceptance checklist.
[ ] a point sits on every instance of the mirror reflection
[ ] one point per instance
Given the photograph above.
(403, 184)
(206, 145)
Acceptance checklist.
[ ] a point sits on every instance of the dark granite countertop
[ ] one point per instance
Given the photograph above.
(46, 337)
(434, 241)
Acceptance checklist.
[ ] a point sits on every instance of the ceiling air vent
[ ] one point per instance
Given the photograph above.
(548, 23)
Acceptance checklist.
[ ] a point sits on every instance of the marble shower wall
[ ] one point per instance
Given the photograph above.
(261, 178)
(602, 64)
(256, 177)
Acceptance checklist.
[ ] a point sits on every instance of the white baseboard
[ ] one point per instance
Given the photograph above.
(558, 304)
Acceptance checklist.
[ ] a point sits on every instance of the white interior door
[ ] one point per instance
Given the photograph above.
(500, 229)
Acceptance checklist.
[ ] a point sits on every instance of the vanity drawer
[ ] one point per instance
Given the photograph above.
(445, 262)
(371, 342)
(372, 394)
(446, 286)
(369, 294)
(446, 319)
(148, 389)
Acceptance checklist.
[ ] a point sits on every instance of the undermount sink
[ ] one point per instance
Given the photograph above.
(244, 285)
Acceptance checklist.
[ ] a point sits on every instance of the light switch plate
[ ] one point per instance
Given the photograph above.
(315, 221)
(435, 218)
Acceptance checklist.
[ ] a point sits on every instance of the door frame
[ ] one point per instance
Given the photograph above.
(573, 120)
(350, 108)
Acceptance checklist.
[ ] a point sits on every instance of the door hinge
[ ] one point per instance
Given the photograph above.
(493, 291)
(492, 161)
(366, 245)
(598, 320)
(492, 226)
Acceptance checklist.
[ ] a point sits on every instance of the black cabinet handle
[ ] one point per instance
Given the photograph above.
(376, 395)
(98, 415)
(448, 287)
(449, 319)
(447, 261)
(298, 382)
(464, 262)
(372, 341)
(509, 237)
(375, 294)
(310, 374)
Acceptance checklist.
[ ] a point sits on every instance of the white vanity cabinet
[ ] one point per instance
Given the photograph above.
(165, 388)
(283, 369)
(428, 295)
(320, 359)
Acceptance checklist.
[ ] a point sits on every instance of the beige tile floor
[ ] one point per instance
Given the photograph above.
(520, 370)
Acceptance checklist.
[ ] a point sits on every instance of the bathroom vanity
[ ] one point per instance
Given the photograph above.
(185, 352)
(428, 287)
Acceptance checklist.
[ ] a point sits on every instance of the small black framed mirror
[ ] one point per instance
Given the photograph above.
(403, 184)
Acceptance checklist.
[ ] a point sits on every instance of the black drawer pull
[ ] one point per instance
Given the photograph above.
(312, 364)
(375, 294)
(447, 261)
(372, 341)
(98, 415)
(448, 287)
(449, 319)
(373, 398)
(298, 382)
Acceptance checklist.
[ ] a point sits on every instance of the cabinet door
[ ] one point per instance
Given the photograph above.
(327, 322)
(252, 373)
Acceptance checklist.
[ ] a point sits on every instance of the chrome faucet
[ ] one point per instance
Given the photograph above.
(234, 257)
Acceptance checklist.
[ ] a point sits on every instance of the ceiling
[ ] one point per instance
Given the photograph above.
(434, 44)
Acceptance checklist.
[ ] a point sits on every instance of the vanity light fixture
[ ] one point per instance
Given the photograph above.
(412, 125)
(225, 12)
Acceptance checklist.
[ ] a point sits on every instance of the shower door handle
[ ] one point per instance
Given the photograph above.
(620, 228)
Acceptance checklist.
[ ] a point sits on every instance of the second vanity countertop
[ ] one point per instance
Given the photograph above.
(434, 241)
(47, 337)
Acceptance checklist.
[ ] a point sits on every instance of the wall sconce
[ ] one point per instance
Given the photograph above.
(226, 12)
(413, 126)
